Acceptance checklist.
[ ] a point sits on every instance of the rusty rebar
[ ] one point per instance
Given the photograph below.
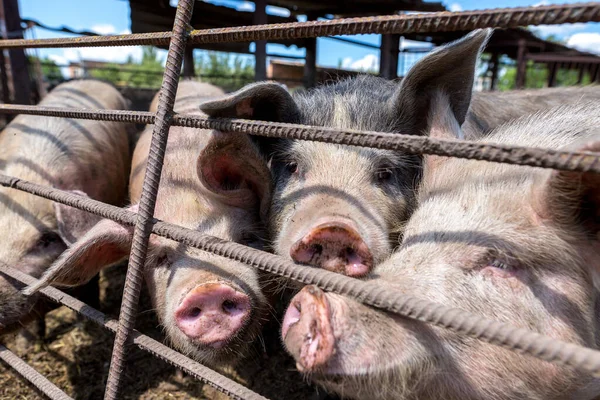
(26, 371)
(501, 153)
(370, 293)
(398, 24)
(143, 226)
(199, 371)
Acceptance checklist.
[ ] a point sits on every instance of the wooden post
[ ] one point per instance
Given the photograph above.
(521, 64)
(494, 61)
(388, 57)
(188, 62)
(310, 60)
(582, 68)
(260, 53)
(18, 63)
(552, 68)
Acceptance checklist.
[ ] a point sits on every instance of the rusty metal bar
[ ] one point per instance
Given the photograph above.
(399, 24)
(199, 371)
(502, 153)
(370, 293)
(36, 379)
(143, 226)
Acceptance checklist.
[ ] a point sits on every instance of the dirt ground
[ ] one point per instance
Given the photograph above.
(75, 356)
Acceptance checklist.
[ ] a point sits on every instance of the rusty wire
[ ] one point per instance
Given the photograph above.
(399, 24)
(502, 153)
(143, 226)
(27, 372)
(199, 371)
(370, 293)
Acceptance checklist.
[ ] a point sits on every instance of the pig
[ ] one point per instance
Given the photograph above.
(211, 308)
(515, 244)
(342, 207)
(86, 157)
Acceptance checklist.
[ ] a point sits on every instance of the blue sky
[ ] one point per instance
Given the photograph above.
(112, 17)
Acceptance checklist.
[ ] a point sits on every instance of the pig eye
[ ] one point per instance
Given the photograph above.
(48, 238)
(500, 265)
(292, 167)
(384, 175)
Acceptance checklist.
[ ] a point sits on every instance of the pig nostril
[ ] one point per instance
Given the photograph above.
(317, 248)
(349, 252)
(229, 306)
(195, 312)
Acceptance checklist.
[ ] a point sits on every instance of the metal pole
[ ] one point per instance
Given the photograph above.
(260, 53)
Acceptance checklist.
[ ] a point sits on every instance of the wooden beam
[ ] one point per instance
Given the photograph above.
(521, 64)
(388, 57)
(188, 63)
(553, 57)
(260, 53)
(18, 63)
(310, 61)
(494, 61)
(582, 69)
(552, 69)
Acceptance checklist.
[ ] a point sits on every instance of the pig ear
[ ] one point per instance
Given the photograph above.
(267, 101)
(106, 244)
(72, 222)
(573, 198)
(448, 71)
(231, 167)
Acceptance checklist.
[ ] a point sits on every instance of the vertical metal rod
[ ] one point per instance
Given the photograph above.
(144, 223)
(260, 52)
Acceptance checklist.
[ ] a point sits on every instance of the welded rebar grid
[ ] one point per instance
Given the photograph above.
(370, 293)
(143, 226)
(413, 23)
(199, 371)
(502, 153)
(501, 334)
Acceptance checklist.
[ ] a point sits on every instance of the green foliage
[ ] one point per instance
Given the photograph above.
(224, 70)
(537, 77)
(145, 73)
(50, 70)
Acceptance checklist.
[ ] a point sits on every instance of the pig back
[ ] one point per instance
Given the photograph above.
(92, 156)
(492, 109)
(183, 145)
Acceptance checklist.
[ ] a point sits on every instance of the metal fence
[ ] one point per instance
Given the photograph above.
(502, 334)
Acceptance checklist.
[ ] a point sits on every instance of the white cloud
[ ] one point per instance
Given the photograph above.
(368, 62)
(541, 3)
(104, 29)
(278, 11)
(454, 7)
(173, 3)
(245, 6)
(585, 41)
(109, 54)
(557, 30)
(411, 44)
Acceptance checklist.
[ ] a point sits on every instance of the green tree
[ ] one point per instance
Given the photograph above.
(224, 70)
(50, 71)
(145, 73)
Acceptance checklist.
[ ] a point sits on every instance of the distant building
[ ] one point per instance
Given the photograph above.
(81, 69)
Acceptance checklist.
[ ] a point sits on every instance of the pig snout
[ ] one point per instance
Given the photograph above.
(213, 314)
(307, 329)
(334, 246)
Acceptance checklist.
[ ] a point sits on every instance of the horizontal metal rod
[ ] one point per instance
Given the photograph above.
(399, 24)
(367, 292)
(501, 153)
(26, 371)
(199, 371)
